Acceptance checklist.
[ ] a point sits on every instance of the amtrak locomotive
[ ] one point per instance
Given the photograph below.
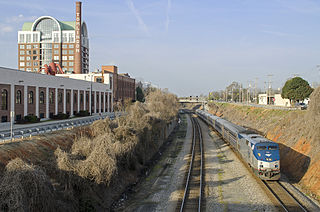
(261, 154)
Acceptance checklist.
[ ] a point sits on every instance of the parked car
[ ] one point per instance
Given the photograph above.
(301, 106)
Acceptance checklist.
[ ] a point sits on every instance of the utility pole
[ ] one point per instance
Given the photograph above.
(240, 96)
(255, 91)
(269, 88)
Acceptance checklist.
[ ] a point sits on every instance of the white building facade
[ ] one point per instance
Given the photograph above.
(28, 93)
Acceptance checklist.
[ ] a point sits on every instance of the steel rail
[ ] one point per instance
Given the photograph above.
(281, 199)
(196, 129)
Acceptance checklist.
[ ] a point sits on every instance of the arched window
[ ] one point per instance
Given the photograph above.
(68, 98)
(60, 97)
(41, 97)
(4, 98)
(30, 97)
(75, 98)
(18, 97)
(81, 98)
(51, 98)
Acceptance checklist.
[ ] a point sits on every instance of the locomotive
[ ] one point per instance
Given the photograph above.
(261, 154)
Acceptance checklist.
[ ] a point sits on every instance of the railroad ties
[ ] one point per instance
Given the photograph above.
(287, 201)
(192, 197)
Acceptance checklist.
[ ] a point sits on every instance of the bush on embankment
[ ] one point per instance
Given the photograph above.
(104, 158)
(297, 132)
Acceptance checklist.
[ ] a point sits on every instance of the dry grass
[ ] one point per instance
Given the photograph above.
(119, 143)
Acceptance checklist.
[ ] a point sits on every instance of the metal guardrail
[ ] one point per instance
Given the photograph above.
(30, 131)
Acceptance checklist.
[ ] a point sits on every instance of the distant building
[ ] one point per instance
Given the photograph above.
(123, 85)
(26, 93)
(274, 99)
(48, 40)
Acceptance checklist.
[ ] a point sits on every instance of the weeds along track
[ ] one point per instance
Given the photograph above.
(192, 197)
(287, 201)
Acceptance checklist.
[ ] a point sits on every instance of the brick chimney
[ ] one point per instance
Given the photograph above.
(78, 55)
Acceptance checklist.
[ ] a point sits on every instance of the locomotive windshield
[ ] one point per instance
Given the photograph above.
(261, 148)
(272, 147)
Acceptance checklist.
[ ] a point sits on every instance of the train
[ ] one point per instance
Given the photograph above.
(261, 154)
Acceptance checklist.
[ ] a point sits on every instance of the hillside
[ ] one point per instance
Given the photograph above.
(297, 132)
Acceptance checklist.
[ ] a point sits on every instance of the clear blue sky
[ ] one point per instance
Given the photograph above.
(190, 47)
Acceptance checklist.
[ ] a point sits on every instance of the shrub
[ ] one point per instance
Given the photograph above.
(28, 119)
(25, 187)
(61, 116)
(82, 113)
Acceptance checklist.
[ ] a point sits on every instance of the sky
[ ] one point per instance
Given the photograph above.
(191, 47)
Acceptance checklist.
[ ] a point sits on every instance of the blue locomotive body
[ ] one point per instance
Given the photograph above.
(261, 154)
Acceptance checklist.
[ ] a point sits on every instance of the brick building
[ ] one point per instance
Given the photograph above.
(42, 95)
(123, 85)
(49, 40)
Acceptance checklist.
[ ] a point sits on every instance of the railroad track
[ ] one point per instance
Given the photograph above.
(287, 201)
(192, 196)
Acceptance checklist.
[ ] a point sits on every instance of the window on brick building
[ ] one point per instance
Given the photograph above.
(18, 97)
(68, 98)
(41, 97)
(30, 97)
(81, 98)
(60, 98)
(75, 98)
(4, 98)
(51, 96)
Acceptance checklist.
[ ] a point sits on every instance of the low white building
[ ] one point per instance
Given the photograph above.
(279, 101)
(28, 93)
(274, 99)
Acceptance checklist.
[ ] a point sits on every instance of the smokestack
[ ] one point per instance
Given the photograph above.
(78, 55)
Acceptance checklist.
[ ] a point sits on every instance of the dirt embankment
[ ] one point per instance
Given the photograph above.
(87, 168)
(297, 132)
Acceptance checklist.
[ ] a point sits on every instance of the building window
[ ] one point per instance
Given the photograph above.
(21, 46)
(4, 98)
(64, 63)
(41, 97)
(56, 46)
(35, 38)
(35, 52)
(18, 97)
(51, 96)
(64, 57)
(68, 98)
(28, 64)
(28, 38)
(56, 57)
(71, 37)
(21, 38)
(21, 63)
(64, 37)
(70, 57)
(64, 52)
(81, 98)
(71, 46)
(22, 69)
(64, 46)
(60, 98)
(28, 46)
(56, 52)
(35, 46)
(28, 58)
(35, 69)
(35, 57)
(21, 52)
(71, 52)
(75, 98)
(35, 63)
(28, 69)
(56, 38)
(71, 69)
(70, 63)
(22, 58)
(30, 97)
(28, 52)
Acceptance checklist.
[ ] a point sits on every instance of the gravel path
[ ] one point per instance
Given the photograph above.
(160, 191)
(229, 185)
